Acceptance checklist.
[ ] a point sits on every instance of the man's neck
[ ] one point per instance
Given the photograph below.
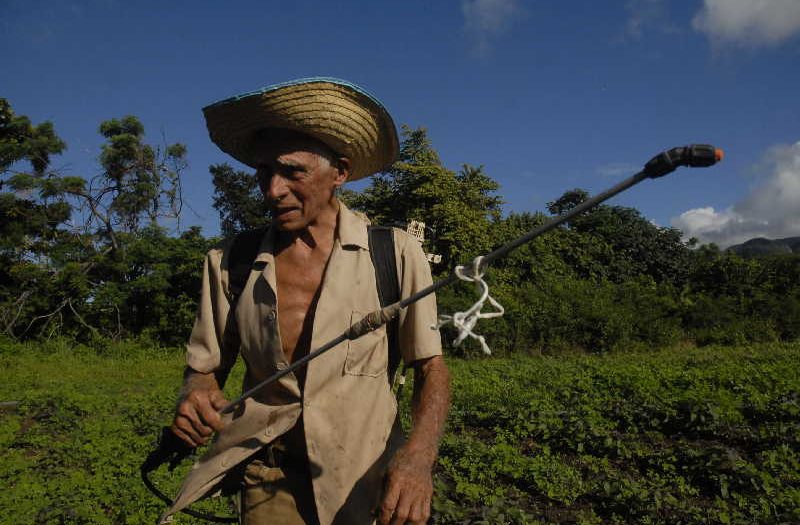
(320, 233)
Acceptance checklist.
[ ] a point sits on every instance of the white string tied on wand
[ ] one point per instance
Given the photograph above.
(465, 321)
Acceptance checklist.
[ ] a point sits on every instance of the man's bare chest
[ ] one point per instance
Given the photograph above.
(299, 277)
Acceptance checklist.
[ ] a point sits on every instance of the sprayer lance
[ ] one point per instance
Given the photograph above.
(172, 450)
(695, 155)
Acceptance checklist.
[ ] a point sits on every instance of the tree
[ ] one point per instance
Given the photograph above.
(138, 186)
(30, 208)
(568, 200)
(64, 241)
(459, 208)
(636, 245)
(139, 183)
(238, 200)
(31, 212)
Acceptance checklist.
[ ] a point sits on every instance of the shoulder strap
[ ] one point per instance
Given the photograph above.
(381, 249)
(245, 246)
(240, 259)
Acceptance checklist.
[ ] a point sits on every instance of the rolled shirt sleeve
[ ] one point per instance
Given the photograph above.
(214, 342)
(419, 337)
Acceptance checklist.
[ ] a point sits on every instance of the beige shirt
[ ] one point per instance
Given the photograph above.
(347, 406)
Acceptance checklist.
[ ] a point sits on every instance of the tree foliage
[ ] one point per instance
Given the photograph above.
(238, 200)
(96, 257)
(87, 257)
(31, 208)
(459, 208)
(636, 245)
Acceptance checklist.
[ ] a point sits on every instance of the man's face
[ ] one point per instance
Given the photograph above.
(298, 178)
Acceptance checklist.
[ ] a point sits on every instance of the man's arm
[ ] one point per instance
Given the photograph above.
(196, 416)
(409, 484)
(210, 354)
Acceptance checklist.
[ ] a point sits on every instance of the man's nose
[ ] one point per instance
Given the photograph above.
(277, 187)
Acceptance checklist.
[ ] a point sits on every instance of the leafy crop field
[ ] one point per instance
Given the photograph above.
(699, 436)
(706, 435)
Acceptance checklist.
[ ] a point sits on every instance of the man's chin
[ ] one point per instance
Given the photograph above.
(288, 225)
(289, 220)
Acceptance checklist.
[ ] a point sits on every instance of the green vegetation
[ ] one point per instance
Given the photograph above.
(697, 436)
(602, 429)
(709, 435)
(93, 260)
(86, 419)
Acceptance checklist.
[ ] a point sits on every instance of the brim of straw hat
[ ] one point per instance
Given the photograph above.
(340, 114)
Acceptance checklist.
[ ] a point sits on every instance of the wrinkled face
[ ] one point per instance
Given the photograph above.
(298, 176)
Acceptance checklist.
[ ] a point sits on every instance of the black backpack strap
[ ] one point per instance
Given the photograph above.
(243, 252)
(381, 249)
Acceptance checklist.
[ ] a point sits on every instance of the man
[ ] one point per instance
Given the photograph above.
(321, 445)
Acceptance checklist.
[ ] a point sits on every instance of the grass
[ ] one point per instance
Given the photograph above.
(706, 435)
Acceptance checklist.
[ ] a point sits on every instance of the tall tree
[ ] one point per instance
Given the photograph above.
(238, 200)
(32, 210)
(30, 205)
(66, 242)
(459, 208)
(139, 184)
(637, 246)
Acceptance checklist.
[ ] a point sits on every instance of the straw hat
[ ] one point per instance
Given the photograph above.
(340, 114)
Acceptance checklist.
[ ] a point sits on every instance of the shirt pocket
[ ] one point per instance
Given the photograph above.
(367, 355)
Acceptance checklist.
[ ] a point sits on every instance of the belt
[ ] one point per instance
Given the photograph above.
(276, 455)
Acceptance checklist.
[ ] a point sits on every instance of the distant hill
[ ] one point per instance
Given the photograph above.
(761, 246)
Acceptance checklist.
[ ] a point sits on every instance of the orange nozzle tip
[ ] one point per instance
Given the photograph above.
(718, 154)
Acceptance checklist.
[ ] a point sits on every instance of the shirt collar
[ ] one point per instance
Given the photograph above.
(351, 230)
(267, 248)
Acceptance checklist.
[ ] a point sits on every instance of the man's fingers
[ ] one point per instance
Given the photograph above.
(401, 512)
(192, 423)
(196, 418)
(188, 427)
(389, 503)
(202, 413)
(210, 416)
(420, 512)
(183, 435)
(218, 400)
(406, 507)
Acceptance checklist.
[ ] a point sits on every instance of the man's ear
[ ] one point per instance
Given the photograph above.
(342, 171)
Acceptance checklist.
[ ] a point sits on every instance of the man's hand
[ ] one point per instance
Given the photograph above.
(408, 490)
(409, 487)
(197, 416)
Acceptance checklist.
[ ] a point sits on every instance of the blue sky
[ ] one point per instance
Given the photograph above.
(548, 96)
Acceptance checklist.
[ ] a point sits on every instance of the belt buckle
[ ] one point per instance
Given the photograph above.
(275, 455)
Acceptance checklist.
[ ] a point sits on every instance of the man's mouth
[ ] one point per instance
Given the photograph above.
(283, 212)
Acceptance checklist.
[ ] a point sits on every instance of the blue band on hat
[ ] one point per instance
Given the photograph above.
(309, 80)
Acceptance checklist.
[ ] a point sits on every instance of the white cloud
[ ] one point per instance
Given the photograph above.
(771, 209)
(488, 19)
(748, 23)
(647, 14)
